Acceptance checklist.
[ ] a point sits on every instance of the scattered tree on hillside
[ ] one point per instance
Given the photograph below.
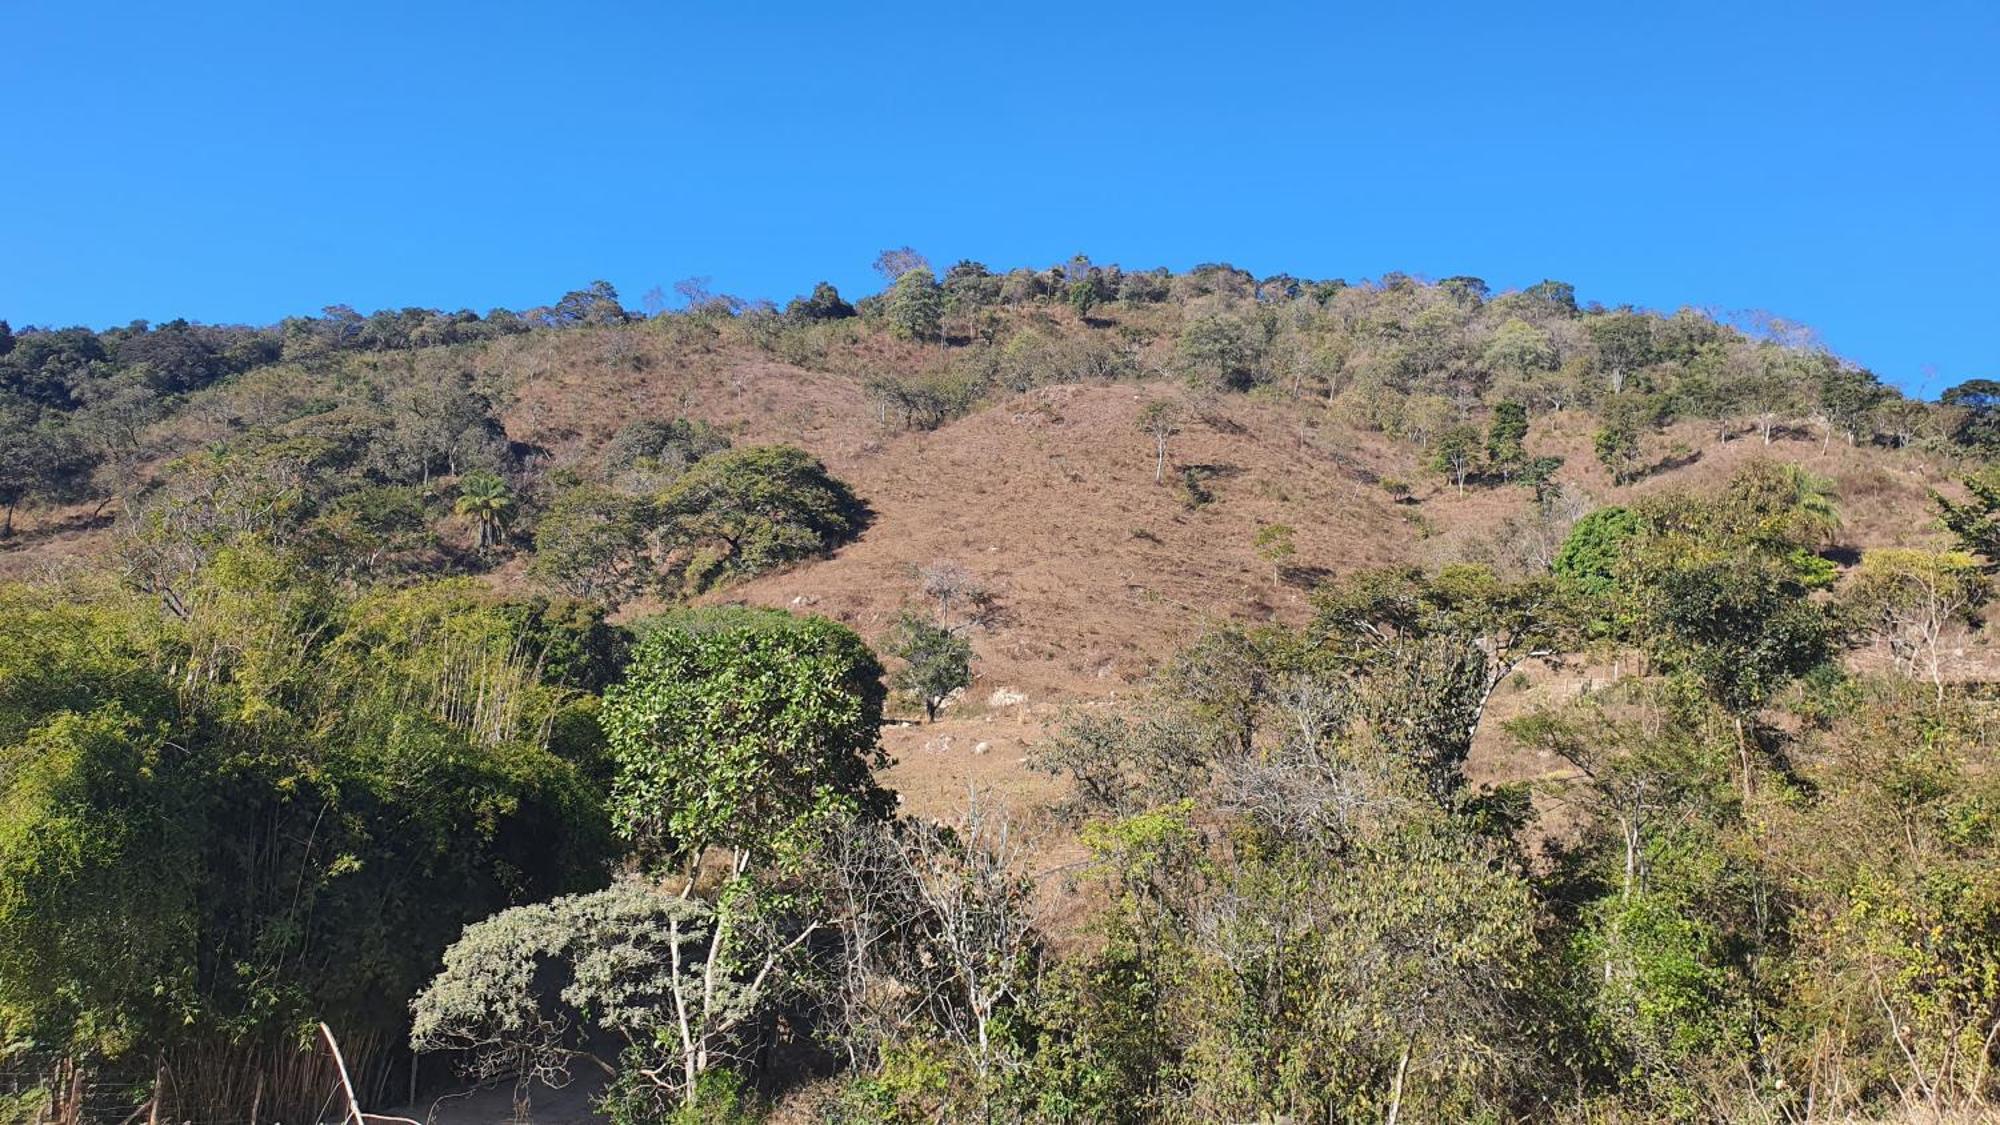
(595, 306)
(960, 598)
(1219, 351)
(1520, 348)
(490, 503)
(1617, 446)
(39, 460)
(1978, 400)
(591, 544)
(437, 422)
(1624, 345)
(1160, 420)
(1918, 602)
(923, 401)
(914, 306)
(1465, 291)
(936, 661)
(1274, 543)
(824, 304)
(1455, 453)
(893, 264)
(1506, 439)
(1975, 523)
(668, 447)
(1849, 399)
(745, 511)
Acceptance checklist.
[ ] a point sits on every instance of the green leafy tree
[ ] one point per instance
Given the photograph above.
(1919, 602)
(594, 305)
(1589, 555)
(1551, 296)
(1520, 348)
(40, 459)
(1721, 591)
(747, 511)
(1275, 543)
(1506, 439)
(824, 304)
(1624, 345)
(936, 661)
(1616, 443)
(591, 544)
(1425, 654)
(914, 306)
(1849, 399)
(1539, 473)
(1975, 522)
(1978, 401)
(1741, 627)
(1086, 293)
(276, 807)
(1662, 963)
(1466, 291)
(1220, 350)
(743, 730)
(1455, 453)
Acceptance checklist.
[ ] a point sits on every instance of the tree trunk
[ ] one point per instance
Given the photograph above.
(1396, 1090)
(1631, 833)
(1743, 758)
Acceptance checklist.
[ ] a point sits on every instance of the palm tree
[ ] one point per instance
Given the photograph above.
(1783, 503)
(1813, 507)
(485, 498)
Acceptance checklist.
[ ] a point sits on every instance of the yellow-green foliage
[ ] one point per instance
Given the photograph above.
(215, 829)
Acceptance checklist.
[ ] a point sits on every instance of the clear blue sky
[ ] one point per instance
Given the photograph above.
(1835, 163)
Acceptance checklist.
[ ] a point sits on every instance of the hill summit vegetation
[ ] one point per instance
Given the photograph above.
(1595, 725)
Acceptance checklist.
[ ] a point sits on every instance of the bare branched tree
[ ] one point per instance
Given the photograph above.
(962, 600)
(937, 928)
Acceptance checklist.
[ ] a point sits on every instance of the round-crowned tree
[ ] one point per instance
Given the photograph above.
(747, 511)
(743, 730)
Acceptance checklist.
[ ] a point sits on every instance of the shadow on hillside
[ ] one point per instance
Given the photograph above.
(69, 523)
(1214, 471)
(1354, 469)
(1668, 464)
(1223, 424)
(1305, 577)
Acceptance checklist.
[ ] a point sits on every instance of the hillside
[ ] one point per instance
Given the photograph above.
(1046, 496)
(1266, 623)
